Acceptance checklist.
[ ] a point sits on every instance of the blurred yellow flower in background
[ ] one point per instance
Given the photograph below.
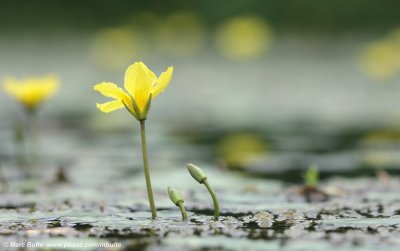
(114, 48)
(141, 86)
(243, 38)
(181, 34)
(241, 149)
(31, 91)
(381, 60)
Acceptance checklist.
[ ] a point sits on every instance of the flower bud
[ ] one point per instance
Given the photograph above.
(175, 196)
(196, 173)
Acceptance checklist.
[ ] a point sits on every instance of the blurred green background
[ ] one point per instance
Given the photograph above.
(258, 83)
(302, 15)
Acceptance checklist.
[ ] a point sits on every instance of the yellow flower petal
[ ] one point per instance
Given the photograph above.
(110, 106)
(111, 90)
(131, 76)
(140, 85)
(138, 82)
(152, 77)
(163, 81)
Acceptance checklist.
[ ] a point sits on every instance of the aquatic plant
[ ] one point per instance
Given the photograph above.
(200, 177)
(177, 199)
(30, 92)
(141, 87)
(311, 177)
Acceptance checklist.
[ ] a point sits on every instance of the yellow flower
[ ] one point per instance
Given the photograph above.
(31, 91)
(141, 86)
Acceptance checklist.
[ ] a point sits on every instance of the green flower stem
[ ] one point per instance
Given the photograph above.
(19, 145)
(183, 211)
(146, 169)
(35, 148)
(3, 180)
(214, 198)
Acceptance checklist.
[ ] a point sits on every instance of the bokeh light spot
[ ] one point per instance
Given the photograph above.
(181, 34)
(243, 38)
(241, 149)
(114, 48)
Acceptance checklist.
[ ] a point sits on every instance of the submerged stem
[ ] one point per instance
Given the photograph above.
(146, 169)
(214, 198)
